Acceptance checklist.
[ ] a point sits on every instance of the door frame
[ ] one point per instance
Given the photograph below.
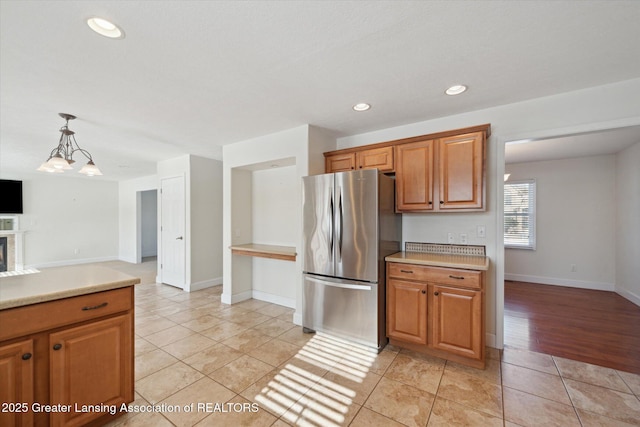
(185, 277)
(502, 140)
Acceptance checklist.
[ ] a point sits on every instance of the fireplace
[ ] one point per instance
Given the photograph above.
(3, 254)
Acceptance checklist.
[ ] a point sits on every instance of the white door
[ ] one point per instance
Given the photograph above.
(172, 211)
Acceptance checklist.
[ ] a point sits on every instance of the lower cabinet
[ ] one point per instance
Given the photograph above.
(407, 311)
(74, 355)
(437, 310)
(16, 383)
(456, 320)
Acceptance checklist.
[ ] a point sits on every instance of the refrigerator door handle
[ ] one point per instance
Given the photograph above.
(341, 211)
(332, 231)
(339, 285)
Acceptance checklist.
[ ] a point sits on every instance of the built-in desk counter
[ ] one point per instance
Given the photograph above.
(286, 253)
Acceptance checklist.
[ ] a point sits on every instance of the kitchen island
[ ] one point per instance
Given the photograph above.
(66, 341)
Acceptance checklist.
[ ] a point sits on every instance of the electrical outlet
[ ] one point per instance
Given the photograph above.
(76, 251)
(463, 238)
(481, 231)
(451, 237)
(573, 268)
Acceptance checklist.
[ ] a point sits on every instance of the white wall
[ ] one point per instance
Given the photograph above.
(68, 220)
(203, 222)
(275, 205)
(129, 199)
(628, 223)
(241, 160)
(149, 222)
(598, 108)
(206, 222)
(575, 221)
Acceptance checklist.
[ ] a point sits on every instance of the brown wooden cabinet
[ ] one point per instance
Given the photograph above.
(340, 162)
(436, 310)
(375, 158)
(441, 175)
(456, 320)
(89, 366)
(16, 387)
(407, 311)
(461, 172)
(414, 176)
(72, 351)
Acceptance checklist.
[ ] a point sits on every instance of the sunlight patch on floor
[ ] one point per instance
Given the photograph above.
(305, 398)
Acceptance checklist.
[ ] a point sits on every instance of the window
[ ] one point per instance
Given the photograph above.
(520, 214)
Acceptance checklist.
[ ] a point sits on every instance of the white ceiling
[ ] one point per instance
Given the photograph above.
(566, 147)
(191, 76)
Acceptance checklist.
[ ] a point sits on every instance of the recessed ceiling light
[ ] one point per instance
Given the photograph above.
(362, 106)
(105, 28)
(455, 90)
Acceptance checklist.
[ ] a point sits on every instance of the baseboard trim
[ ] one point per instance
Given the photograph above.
(599, 286)
(233, 299)
(205, 284)
(628, 295)
(274, 299)
(490, 340)
(69, 262)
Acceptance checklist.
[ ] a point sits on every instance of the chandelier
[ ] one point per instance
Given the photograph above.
(61, 158)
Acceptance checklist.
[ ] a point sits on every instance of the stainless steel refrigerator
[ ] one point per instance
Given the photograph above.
(350, 225)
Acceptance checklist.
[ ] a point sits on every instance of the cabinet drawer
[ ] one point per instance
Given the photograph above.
(446, 276)
(408, 271)
(455, 277)
(34, 318)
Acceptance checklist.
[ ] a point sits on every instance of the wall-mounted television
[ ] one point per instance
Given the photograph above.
(10, 196)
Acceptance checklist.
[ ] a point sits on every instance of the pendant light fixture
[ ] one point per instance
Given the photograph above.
(61, 158)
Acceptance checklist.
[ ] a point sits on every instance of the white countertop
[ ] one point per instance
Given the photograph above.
(466, 262)
(60, 282)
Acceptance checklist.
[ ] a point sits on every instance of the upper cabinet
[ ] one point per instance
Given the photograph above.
(375, 158)
(461, 172)
(442, 175)
(340, 162)
(414, 176)
(440, 172)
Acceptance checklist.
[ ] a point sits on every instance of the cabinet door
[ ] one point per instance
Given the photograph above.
(91, 364)
(407, 311)
(340, 162)
(377, 158)
(461, 172)
(457, 321)
(16, 383)
(414, 176)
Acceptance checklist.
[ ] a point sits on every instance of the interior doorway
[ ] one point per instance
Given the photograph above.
(148, 225)
(535, 314)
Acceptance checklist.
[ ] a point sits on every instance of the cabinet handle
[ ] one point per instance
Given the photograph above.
(57, 347)
(441, 202)
(436, 293)
(26, 356)
(456, 277)
(406, 271)
(430, 202)
(104, 304)
(423, 291)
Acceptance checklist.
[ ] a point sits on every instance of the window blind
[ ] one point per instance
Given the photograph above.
(519, 214)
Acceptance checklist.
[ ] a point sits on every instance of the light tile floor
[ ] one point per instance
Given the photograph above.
(248, 364)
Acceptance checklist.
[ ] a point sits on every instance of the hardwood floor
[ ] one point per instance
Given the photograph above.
(597, 327)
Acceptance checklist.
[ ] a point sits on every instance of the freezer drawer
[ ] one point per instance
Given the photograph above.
(344, 308)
